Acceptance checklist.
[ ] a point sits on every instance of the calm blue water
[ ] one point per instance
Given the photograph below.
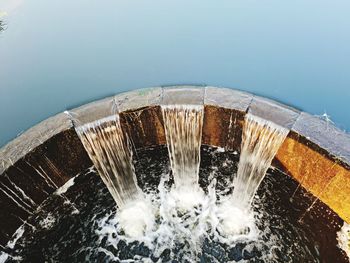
(55, 55)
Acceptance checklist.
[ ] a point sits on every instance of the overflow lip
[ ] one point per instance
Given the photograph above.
(276, 112)
(189, 95)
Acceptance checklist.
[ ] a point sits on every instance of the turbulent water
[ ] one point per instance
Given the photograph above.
(201, 209)
(109, 150)
(343, 237)
(82, 224)
(261, 140)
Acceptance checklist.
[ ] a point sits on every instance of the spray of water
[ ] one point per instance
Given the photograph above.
(180, 226)
(343, 237)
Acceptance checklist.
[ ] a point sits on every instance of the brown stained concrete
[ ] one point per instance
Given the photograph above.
(28, 182)
(325, 178)
(222, 127)
(144, 126)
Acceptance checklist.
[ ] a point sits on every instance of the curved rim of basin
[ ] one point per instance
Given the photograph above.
(42, 159)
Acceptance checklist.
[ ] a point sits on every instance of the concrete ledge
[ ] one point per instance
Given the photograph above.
(227, 98)
(92, 111)
(315, 153)
(183, 95)
(139, 98)
(273, 111)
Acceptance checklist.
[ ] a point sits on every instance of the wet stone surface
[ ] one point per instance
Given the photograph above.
(294, 227)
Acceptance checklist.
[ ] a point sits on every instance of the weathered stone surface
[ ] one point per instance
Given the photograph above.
(222, 127)
(183, 95)
(138, 99)
(273, 111)
(326, 179)
(325, 135)
(144, 126)
(126, 101)
(93, 111)
(227, 98)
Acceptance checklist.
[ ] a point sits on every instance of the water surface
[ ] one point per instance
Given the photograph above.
(55, 55)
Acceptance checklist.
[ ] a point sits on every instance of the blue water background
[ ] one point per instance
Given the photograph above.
(58, 54)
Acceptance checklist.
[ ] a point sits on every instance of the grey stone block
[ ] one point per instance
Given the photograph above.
(278, 113)
(227, 98)
(193, 95)
(138, 98)
(93, 111)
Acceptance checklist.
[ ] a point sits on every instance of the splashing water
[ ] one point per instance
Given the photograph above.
(183, 129)
(343, 237)
(261, 140)
(181, 227)
(182, 215)
(110, 151)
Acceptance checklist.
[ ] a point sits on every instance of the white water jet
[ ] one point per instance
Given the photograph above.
(183, 129)
(110, 151)
(261, 140)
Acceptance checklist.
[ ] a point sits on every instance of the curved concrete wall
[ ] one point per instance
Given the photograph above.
(42, 159)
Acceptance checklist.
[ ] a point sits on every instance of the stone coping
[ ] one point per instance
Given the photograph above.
(315, 153)
(315, 129)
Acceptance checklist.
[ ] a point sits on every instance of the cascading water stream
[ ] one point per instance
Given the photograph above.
(110, 152)
(261, 140)
(183, 129)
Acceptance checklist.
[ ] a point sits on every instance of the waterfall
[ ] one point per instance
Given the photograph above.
(183, 129)
(110, 151)
(261, 140)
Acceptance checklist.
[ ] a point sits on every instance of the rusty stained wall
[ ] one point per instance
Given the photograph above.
(326, 179)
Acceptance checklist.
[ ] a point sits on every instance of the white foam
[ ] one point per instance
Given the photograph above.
(11, 244)
(64, 188)
(48, 221)
(137, 218)
(235, 223)
(3, 257)
(181, 215)
(343, 237)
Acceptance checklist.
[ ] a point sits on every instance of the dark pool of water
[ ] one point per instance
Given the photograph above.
(64, 228)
